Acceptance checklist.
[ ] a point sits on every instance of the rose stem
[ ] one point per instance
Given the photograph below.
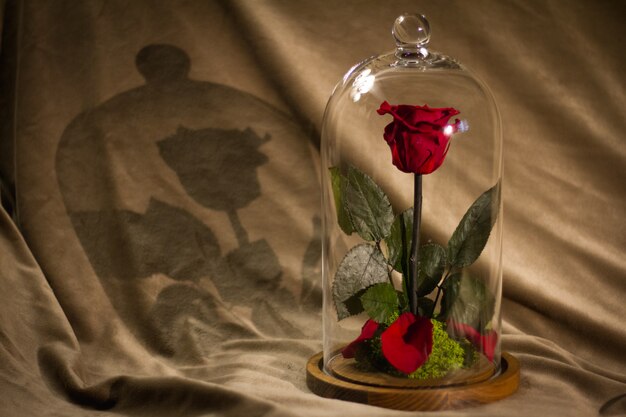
(415, 244)
(240, 232)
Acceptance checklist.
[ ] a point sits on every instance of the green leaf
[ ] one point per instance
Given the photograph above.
(363, 266)
(394, 240)
(369, 208)
(467, 300)
(432, 263)
(471, 235)
(380, 302)
(339, 183)
(425, 306)
(352, 306)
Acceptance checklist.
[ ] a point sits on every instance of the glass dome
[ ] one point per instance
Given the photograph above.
(412, 220)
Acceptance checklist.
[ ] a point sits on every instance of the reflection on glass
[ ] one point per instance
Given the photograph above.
(362, 84)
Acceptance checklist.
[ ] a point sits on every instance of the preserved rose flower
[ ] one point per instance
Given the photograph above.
(419, 136)
(367, 332)
(407, 342)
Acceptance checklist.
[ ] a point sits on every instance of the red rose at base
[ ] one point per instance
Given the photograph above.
(407, 342)
(418, 136)
(367, 332)
(486, 343)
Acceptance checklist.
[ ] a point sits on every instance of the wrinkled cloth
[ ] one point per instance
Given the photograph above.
(166, 162)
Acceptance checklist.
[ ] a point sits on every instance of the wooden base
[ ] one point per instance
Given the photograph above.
(412, 398)
(348, 370)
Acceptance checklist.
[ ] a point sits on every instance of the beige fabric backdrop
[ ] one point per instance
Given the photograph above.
(160, 270)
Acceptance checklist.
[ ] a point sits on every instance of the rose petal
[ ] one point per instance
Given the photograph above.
(407, 342)
(367, 332)
(384, 108)
(486, 343)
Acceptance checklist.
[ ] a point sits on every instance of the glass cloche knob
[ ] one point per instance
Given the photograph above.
(412, 33)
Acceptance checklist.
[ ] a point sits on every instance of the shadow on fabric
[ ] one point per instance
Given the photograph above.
(152, 180)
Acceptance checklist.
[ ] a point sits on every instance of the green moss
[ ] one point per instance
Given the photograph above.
(447, 354)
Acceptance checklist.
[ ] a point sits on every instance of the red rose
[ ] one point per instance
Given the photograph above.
(486, 343)
(418, 136)
(367, 332)
(407, 343)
